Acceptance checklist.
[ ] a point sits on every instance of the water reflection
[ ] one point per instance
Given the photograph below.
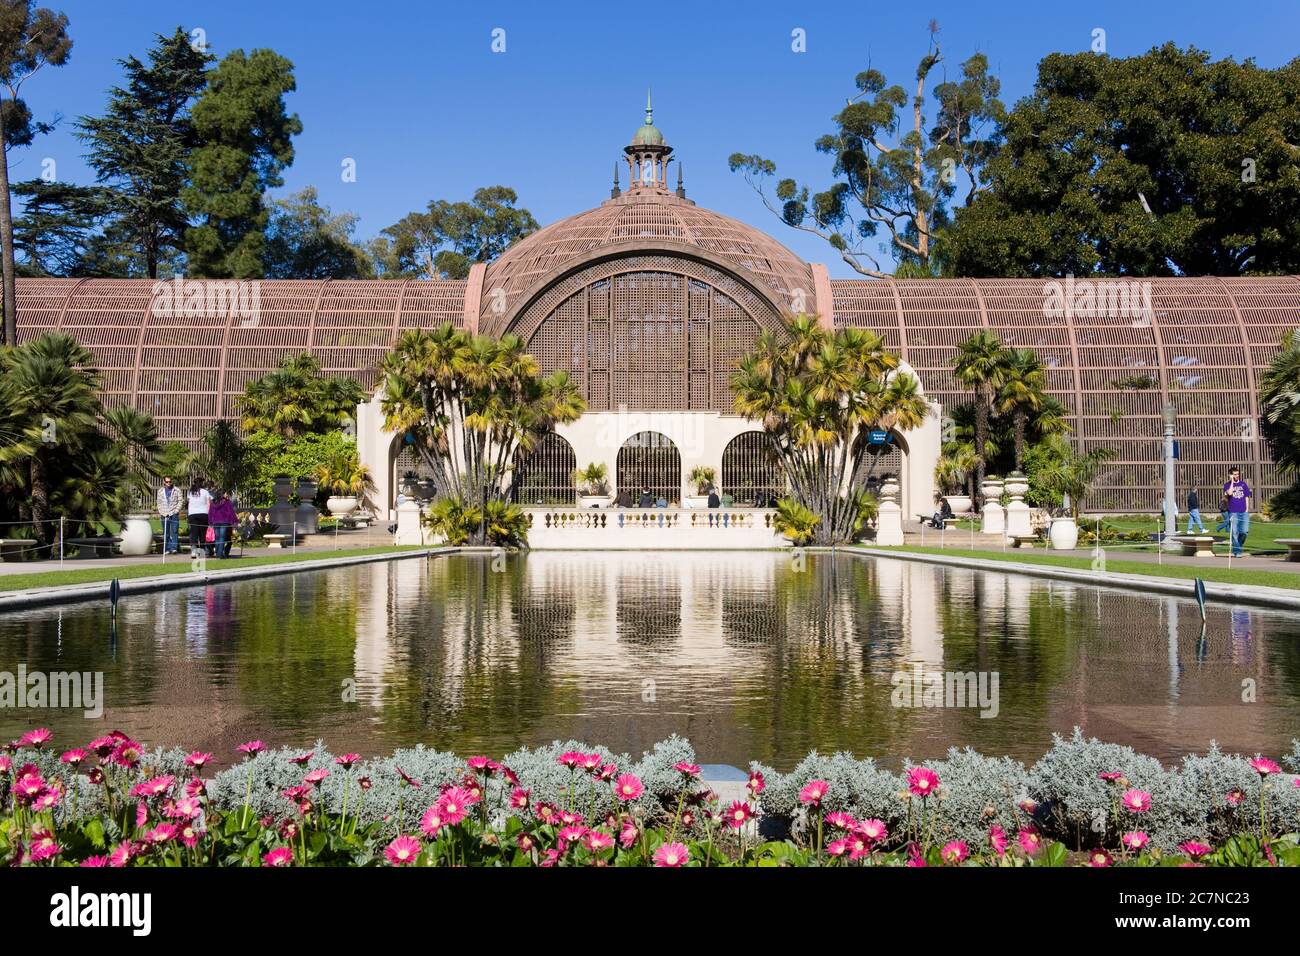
(750, 655)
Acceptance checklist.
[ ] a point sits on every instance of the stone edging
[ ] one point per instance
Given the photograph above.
(1176, 587)
(98, 590)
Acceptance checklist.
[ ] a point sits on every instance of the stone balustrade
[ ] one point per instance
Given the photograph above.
(653, 528)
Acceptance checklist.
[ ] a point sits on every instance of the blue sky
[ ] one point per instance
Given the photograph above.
(413, 92)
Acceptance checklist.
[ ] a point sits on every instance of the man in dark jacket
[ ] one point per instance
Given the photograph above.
(1194, 512)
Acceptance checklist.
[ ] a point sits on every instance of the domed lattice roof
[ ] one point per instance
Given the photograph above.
(647, 217)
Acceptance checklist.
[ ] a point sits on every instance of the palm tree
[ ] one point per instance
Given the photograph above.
(296, 398)
(51, 384)
(981, 366)
(1021, 394)
(137, 434)
(1279, 399)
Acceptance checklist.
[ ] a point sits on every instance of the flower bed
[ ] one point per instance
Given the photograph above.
(1086, 803)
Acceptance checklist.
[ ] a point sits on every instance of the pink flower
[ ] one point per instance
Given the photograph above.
(453, 805)
(628, 835)
(1030, 840)
(126, 754)
(738, 814)
(402, 851)
(1263, 766)
(1111, 776)
(569, 759)
(280, 856)
(595, 841)
(301, 759)
(190, 836)
(94, 861)
(478, 764)
(198, 759)
(689, 769)
(839, 847)
(1234, 797)
(252, 748)
(161, 833)
(6, 763)
(316, 776)
(47, 799)
(1028, 806)
(519, 798)
(103, 746)
(672, 855)
(915, 857)
(813, 792)
(873, 830)
(74, 756)
(859, 844)
(998, 839)
(922, 781)
(1099, 858)
(954, 852)
(570, 818)
(407, 778)
(570, 834)
(841, 820)
(43, 847)
(628, 787)
(1194, 849)
(28, 786)
(121, 855)
(1136, 801)
(607, 771)
(756, 782)
(591, 762)
(1135, 840)
(431, 822)
(35, 738)
(153, 788)
(195, 788)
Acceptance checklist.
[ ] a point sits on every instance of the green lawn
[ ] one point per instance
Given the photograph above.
(111, 569)
(1116, 565)
(1262, 537)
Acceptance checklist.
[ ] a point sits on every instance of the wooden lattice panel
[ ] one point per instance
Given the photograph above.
(650, 460)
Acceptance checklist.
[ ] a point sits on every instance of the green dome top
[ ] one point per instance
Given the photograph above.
(648, 134)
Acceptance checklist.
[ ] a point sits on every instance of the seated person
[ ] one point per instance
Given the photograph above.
(624, 499)
(646, 500)
(714, 500)
(945, 511)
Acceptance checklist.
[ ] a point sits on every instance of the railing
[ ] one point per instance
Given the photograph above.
(652, 528)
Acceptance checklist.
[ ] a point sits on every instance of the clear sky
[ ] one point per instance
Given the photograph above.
(415, 94)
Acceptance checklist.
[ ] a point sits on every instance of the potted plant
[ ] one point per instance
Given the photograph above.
(593, 486)
(702, 477)
(346, 480)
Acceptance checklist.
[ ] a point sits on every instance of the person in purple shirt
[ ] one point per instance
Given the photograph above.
(1235, 495)
(222, 518)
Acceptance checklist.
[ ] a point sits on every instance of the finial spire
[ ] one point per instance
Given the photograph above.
(681, 189)
(613, 193)
(649, 109)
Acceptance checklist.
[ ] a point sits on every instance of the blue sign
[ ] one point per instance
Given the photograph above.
(878, 436)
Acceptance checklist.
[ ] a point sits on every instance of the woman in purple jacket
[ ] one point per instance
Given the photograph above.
(222, 518)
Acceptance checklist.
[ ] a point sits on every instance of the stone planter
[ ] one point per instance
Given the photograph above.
(695, 501)
(1064, 534)
(595, 501)
(341, 505)
(960, 504)
(137, 535)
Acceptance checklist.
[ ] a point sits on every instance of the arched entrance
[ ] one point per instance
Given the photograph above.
(544, 476)
(650, 460)
(750, 469)
(889, 459)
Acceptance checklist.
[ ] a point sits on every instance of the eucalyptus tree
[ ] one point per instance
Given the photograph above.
(818, 394)
(471, 405)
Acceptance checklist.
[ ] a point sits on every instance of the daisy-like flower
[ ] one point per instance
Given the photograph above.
(407, 778)
(841, 820)
(592, 762)
(1194, 849)
(316, 776)
(162, 833)
(198, 759)
(1111, 776)
(189, 807)
(998, 839)
(628, 787)
(36, 738)
(546, 813)
(629, 834)
(154, 787)
(1263, 766)
(252, 748)
(75, 756)
(570, 818)
(1136, 801)
(672, 855)
(1028, 806)
(453, 805)
(606, 772)
(43, 847)
(813, 792)
(6, 763)
(121, 854)
(570, 834)
(47, 799)
(1030, 840)
(1135, 840)
(511, 777)
(570, 759)
(127, 754)
(1234, 797)
(526, 842)
(94, 861)
(915, 857)
(402, 851)
(477, 764)
(431, 822)
(595, 841)
(103, 746)
(688, 770)
(1099, 858)
(859, 844)
(195, 788)
(838, 848)
(280, 856)
(874, 830)
(301, 759)
(190, 835)
(28, 786)
(922, 781)
(738, 814)
(519, 798)
(954, 852)
(756, 783)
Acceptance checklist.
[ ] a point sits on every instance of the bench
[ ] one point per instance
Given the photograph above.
(1196, 545)
(355, 521)
(927, 520)
(274, 540)
(11, 549)
(1022, 540)
(1292, 548)
(94, 547)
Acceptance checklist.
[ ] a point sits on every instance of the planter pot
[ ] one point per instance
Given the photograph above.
(137, 535)
(696, 501)
(960, 504)
(1064, 534)
(341, 505)
(595, 501)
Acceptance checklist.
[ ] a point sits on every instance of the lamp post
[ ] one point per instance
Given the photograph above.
(1170, 414)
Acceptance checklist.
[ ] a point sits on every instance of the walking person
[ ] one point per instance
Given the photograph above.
(1235, 500)
(222, 519)
(1194, 512)
(197, 504)
(169, 510)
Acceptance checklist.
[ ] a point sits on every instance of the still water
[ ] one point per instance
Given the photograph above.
(750, 655)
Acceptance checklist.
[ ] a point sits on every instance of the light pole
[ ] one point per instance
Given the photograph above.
(1171, 528)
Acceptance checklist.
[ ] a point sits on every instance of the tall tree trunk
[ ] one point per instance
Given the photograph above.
(981, 432)
(1020, 439)
(7, 241)
(40, 497)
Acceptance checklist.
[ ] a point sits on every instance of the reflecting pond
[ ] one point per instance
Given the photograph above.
(762, 655)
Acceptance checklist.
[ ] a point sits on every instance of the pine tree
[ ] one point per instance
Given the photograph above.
(58, 226)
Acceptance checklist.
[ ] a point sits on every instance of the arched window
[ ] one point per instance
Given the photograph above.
(544, 476)
(649, 460)
(750, 469)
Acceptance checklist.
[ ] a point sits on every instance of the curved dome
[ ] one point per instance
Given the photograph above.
(647, 217)
(648, 135)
